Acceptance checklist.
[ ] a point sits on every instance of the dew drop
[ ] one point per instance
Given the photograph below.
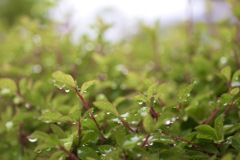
(27, 105)
(140, 102)
(67, 90)
(168, 122)
(32, 139)
(9, 124)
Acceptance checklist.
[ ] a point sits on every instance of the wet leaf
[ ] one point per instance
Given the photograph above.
(7, 86)
(86, 85)
(106, 107)
(63, 80)
(226, 72)
(206, 131)
(218, 126)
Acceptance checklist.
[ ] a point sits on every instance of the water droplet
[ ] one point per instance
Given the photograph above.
(67, 90)
(27, 105)
(125, 115)
(235, 84)
(9, 124)
(47, 121)
(139, 155)
(173, 119)
(32, 139)
(168, 122)
(225, 104)
(39, 151)
(188, 95)
(223, 60)
(108, 112)
(37, 68)
(140, 102)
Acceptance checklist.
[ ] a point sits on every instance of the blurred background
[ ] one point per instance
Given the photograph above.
(77, 16)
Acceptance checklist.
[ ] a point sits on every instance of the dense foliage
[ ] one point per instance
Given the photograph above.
(168, 93)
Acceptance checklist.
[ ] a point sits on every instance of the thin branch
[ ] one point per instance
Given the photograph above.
(71, 155)
(146, 140)
(82, 99)
(153, 113)
(79, 131)
(140, 127)
(91, 114)
(127, 126)
(193, 144)
(212, 116)
(228, 108)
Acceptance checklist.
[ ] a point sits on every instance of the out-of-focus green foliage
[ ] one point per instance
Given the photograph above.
(160, 94)
(11, 10)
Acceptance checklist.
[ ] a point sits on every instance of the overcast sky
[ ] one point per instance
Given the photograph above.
(80, 13)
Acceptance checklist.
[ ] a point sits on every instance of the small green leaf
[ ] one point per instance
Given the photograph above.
(63, 80)
(152, 89)
(85, 152)
(89, 124)
(130, 141)
(89, 136)
(50, 140)
(206, 131)
(106, 106)
(185, 93)
(148, 123)
(58, 131)
(226, 72)
(141, 98)
(51, 116)
(7, 85)
(236, 141)
(86, 85)
(218, 126)
(236, 79)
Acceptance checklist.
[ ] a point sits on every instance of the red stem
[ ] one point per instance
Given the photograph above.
(79, 131)
(82, 99)
(228, 108)
(154, 113)
(146, 140)
(212, 116)
(71, 155)
(140, 127)
(127, 126)
(87, 108)
(193, 144)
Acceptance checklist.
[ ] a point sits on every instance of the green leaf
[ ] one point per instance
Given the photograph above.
(106, 107)
(85, 152)
(236, 141)
(148, 123)
(185, 93)
(226, 72)
(218, 126)
(89, 136)
(206, 131)
(7, 85)
(58, 131)
(86, 85)
(51, 116)
(62, 80)
(152, 89)
(236, 79)
(89, 124)
(50, 140)
(130, 141)
(141, 98)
